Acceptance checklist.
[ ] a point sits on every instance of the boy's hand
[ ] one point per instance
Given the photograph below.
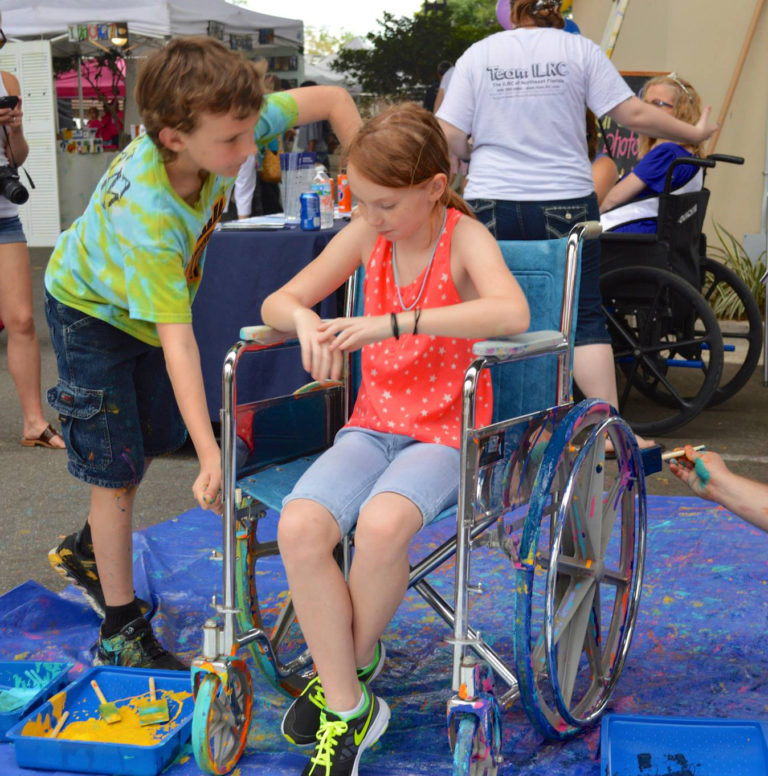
(701, 473)
(207, 486)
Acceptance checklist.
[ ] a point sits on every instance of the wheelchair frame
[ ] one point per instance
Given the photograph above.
(566, 520)
(668, 345)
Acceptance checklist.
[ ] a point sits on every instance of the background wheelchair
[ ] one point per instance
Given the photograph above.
(657, 292)
(534, 486)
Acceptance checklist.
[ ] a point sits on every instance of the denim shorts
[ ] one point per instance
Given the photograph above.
(549, 220)
(11, 230)
(362, 463)
(114, 399)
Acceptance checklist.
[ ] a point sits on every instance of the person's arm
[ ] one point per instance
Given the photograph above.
(245, 185)
(707, 476)
(493, 303)
(328, 103)
(458, 141)
(605, 175)
(10, 119)
(182, 360)
(625, 190)
(654, 122)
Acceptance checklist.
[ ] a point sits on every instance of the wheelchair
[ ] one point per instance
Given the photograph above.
(534, 486)
(658, 291)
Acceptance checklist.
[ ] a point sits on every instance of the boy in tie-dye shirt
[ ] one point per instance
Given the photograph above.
(119, 292)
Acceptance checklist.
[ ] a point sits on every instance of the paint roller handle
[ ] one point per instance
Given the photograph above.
(97, 690)
(152, 693)
(60, 724)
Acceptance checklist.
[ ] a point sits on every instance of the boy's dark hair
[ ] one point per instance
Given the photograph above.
(190, 76)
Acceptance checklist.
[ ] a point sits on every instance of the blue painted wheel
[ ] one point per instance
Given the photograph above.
(575, 616)
(221, 719)
(472, 755)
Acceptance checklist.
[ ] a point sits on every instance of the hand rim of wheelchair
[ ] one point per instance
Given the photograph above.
(221, 718)
(530, 665)
(721, 273)
(623, 336)
(627, 451)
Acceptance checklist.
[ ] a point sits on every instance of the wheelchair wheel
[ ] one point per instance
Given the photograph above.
(581, 566)
(742, 337)
(666, 344)
(273, 613)
(221, 719)
(471, 755)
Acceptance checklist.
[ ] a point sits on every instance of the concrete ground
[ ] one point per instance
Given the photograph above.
(40, 501)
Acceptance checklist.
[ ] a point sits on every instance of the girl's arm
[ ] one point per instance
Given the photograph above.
(10, 118)
(328, 103)
(654, 122)
(625, 190)
(289, 309)
(458, 141)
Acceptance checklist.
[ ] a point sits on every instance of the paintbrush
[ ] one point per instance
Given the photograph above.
(154, 711)
(59, 725)
(107, 711)
(673, 455)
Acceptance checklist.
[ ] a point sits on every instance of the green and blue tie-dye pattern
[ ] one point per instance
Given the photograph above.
(135, 257)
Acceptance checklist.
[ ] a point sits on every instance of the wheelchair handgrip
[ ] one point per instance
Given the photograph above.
(695, 161)
(592, 230)
(726, 158)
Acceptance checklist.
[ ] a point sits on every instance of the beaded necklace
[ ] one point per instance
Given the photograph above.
(405, 307)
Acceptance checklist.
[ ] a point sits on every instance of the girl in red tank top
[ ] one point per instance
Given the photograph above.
(435, 282)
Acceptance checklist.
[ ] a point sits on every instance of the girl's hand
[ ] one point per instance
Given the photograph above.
(317, 357)
(207, 486)
(350, 334)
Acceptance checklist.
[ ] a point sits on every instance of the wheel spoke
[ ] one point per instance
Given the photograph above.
(571, 644)
(588, 496)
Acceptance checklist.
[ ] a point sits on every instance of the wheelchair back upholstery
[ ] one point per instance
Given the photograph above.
(530, 385)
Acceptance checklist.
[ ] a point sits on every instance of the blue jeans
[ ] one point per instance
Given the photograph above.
(114, 399)
(549, 220)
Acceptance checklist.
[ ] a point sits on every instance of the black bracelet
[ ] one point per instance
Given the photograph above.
(395, 327)
(416, 320)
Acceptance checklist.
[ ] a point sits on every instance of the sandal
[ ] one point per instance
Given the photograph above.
(44, 440)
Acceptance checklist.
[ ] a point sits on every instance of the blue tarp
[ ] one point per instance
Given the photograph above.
(698, 649)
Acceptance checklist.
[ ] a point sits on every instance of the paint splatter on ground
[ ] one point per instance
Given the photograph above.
(698, 648)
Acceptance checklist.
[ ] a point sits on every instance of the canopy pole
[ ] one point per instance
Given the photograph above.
(80, 89)
(612, 29)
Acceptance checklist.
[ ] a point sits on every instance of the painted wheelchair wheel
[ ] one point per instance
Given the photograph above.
(221, 718)
(472, 756)
(581, 566)
(259, 558)
(667, 347)
(741, 325)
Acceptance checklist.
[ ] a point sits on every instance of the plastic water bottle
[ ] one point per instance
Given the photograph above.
(321, 185)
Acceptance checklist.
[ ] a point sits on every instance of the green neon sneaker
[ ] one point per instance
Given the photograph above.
(302, 720)
(340, 743)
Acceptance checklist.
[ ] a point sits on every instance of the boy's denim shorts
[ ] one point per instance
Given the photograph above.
(362, 463)
(114, 399)
(11, 230)
(548, 220)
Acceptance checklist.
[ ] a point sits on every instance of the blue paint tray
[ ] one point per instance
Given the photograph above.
(682, 746)
(87, 744)
(25, 684)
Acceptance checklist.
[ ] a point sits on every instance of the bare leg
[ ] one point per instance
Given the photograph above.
(307, 534)
(23, 348)
(111, 521)
(378, 577)
(593, 371)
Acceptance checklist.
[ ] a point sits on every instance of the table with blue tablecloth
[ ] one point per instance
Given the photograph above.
(242, 267)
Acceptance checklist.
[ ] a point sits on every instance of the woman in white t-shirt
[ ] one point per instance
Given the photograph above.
(522, 96)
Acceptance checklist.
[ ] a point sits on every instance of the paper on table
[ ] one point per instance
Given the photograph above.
(272, 221)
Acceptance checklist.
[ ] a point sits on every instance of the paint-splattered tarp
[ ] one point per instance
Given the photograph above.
(699, 648)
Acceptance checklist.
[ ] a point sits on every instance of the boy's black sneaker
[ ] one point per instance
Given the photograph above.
(302, 720)
(340, 743)
(80, 568)
(136, 646)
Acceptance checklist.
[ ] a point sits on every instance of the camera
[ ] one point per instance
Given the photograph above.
(11, 187)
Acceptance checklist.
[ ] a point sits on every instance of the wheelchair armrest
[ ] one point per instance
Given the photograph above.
(531, 343)
(266, 335)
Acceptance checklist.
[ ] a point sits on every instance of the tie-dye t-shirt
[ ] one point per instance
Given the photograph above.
(135, 257)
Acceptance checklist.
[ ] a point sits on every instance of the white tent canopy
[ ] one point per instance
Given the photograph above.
(161, 18)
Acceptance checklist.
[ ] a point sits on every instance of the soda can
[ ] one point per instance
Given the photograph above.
(309, 204)
(343, 193)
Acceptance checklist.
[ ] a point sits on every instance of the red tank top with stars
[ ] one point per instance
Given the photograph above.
(413, 385)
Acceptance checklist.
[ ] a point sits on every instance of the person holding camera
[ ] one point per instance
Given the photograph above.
(16, 309)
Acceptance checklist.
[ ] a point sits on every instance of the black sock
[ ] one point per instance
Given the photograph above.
(117, 617)
(84, 542)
